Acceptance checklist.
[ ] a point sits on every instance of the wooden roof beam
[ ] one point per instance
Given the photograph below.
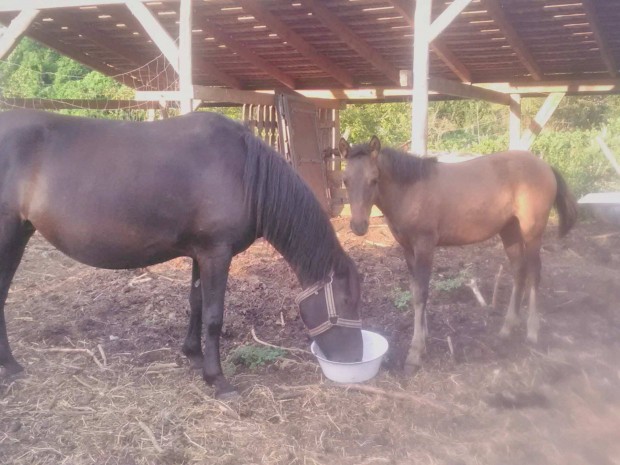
(19, 5)
(496, 12)
(11, 35)
(446, 17)
(261, 13)
(606, 54)
(247, 54)
(168, 47)
(347, 35)
(438, 46)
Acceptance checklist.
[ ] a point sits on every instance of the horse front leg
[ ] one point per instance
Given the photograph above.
(420, 264)
(14, 236)
(213, 265)
(192, 346)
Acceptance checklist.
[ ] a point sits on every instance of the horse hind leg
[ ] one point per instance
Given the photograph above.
(514, 247)
(192, 346)
(14, 235)
(532, 256)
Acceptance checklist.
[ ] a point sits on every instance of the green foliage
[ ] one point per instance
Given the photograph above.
(448, 284)
(253, 356)
(401, 299)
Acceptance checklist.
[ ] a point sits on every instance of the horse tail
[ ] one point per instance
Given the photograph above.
(565, 205)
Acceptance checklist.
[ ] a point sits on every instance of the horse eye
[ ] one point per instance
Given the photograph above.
(374, 182)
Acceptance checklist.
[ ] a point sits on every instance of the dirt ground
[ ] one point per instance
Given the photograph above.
(105, 381)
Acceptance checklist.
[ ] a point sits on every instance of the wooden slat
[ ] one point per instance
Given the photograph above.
(75, 104)
(606, 54)
(11, 35)
(346, 34)
(247, 53)
(497, 13)
(514, 121)
(438, 46)
(18, 5)
(260, 12)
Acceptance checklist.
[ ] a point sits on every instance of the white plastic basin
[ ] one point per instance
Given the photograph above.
(375, 347)
(605, 205)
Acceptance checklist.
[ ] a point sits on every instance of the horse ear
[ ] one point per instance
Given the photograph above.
(375, 146)
(344, 147)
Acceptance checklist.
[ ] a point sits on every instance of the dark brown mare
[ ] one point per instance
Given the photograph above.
(429, 204)
(124, 195)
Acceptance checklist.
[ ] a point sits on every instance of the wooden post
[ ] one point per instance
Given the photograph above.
(15, 30)
(514, 122)
(538, 123)
(186, 85)
(419, 100)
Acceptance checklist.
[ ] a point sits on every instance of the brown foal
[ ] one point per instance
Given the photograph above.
(429, 204)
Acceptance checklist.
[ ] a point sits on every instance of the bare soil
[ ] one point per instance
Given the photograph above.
(106, 383)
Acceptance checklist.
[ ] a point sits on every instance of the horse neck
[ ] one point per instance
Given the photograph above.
(390, 194)
(289, 216)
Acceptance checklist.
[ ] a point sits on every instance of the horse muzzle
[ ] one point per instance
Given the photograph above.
(359, 227)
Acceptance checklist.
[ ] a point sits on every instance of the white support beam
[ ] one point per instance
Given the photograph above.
(155, 30)
(538, 123)
(514, 121)
(468, 91)
(419, 100)
(19, 5)
(15, 30)
(446, 18)
(186, 84)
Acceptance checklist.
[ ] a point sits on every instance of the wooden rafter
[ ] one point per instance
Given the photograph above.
(262, 14)
(601, 41)
(64, 49)
(16, 29)
(348, 36)
(168, 47)
(247, 54)
(438, 46)
(18, 5)
(458, 89)
(446, 17)
(512, 36)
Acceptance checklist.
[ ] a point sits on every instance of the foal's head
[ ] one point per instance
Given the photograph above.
(361, 178)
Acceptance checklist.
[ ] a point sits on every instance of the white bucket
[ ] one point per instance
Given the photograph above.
(375, 347)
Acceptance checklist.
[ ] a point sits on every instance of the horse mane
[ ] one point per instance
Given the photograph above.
(288, 215)
(404, 167)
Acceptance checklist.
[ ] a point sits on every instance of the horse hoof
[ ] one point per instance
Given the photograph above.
(505, 333)
(227, 395)
(195, 363)
(11, 371)
(532, 339)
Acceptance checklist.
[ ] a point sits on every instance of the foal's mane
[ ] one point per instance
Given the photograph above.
(401, 166)
(404, 167)
(287, 213)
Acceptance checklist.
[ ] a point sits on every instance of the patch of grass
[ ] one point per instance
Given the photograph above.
(448, 284)
(401, 299)
(253, 356)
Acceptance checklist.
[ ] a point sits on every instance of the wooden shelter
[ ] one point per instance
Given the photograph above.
(285, 58)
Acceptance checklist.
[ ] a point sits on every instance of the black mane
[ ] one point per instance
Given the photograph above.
(288, 215)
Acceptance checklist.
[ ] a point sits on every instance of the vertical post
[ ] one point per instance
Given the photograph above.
(514, 122)
(419, 100)
(186, 85)
(15, 30)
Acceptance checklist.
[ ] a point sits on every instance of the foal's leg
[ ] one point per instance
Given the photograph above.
(14, 235)
(532, 256)
(214, 264)
(513, 245)
(420, 264)
(192, 347)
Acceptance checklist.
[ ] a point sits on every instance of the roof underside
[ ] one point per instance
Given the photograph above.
(251, 44)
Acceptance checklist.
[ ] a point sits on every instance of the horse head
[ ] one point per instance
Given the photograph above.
(361, 178)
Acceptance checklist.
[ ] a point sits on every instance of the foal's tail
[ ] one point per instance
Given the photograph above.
(565, 204)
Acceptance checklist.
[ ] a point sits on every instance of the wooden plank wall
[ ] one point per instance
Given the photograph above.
(263, 121)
